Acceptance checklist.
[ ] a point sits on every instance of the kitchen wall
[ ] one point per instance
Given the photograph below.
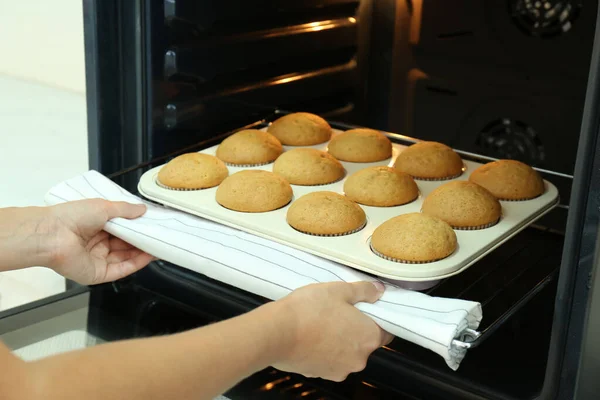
(43, 131)
(42, 41)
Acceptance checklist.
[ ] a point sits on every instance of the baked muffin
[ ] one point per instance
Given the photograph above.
(254, 191)
(326, 214)
(192, 171)
(464, 205)
(300, 129)
(308, 167)
(249, 147)
(509, 180)
(414, 238)
(429, 160)
(381, 187)
(360, 145)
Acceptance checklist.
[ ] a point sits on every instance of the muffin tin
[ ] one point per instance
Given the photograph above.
(354, 249)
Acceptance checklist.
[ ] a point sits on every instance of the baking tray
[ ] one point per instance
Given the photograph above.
(354, 250)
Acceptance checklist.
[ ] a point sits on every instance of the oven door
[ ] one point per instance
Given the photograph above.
(169, 76)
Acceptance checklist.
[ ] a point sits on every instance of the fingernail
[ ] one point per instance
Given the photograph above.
(380, 286)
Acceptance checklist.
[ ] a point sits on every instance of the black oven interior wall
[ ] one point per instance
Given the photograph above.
(216, 66)
(504, 78)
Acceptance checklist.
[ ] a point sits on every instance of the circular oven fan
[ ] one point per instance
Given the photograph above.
(544, 18)
(507, 138)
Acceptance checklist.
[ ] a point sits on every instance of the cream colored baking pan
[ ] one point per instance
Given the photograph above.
(354, 250)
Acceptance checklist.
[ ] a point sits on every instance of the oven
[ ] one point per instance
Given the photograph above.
(493, 79)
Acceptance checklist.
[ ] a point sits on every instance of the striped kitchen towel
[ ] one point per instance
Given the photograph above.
(273, 270)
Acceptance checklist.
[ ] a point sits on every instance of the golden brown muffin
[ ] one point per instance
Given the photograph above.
(254, 191)
(414, 238)
(325, 214)
(193, 171)
(429, 160)
(509, 180)
(300, 129)
(249, 147)
(360, 145)
(381, 187)
(308, 167)
(464, 205)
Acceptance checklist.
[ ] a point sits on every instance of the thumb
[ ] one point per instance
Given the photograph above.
(122, 209)
(368, 292)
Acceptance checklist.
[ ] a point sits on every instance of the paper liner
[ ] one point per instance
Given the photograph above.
(475, 228)
(395, 205)
(248, 165)
(320, 184)
(447, 178)
(255, 212)
(399, 260)
(523, 199)
(162, 185)
(335, 234)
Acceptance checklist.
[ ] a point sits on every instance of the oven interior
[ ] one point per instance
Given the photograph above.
(499, 79)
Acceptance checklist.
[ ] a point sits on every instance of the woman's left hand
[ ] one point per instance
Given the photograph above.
(82, 251)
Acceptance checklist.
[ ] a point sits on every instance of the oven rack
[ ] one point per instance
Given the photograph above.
(532, 268)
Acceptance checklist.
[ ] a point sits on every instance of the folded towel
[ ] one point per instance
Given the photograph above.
(273, 270)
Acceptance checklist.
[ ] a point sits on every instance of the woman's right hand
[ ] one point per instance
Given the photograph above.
(327, 337)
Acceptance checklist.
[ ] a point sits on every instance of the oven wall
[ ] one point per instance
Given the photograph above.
(216, 66)
(504, 78)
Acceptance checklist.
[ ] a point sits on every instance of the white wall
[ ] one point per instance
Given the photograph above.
(43, 129)
(42, 41)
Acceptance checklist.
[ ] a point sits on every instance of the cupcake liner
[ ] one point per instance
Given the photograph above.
(395, 205)
(162, 185)
(321, 184)
(334, 234)
(522, 199)
(256, 212)
(447, 178)
(475, 228)
(248, 165)
(397, 260)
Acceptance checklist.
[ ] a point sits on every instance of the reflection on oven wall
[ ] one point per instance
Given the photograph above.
(504, 78)
(217, 66)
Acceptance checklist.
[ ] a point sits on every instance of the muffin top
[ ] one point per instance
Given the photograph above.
(193, 171)
(306, 166)
(414, 237)
(463, 205)
(429, 160)
(360, 145)
(509, 180)
(254, 191)
(300, 129)
(325, 213)
(249, 147)
(381, 187)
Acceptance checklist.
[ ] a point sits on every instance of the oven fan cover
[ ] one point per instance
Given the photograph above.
(544, 18)
(507, 138)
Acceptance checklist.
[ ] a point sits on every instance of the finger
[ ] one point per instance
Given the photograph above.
(122, 255)
(122, 209)
(125, 268)
(368, 292)
(118, 244)
(101, 236)
(386, 338)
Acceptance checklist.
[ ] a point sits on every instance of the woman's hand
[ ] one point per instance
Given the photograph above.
(327, 336)
(79, 248)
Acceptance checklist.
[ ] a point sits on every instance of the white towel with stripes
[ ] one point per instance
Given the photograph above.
(270, 269)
